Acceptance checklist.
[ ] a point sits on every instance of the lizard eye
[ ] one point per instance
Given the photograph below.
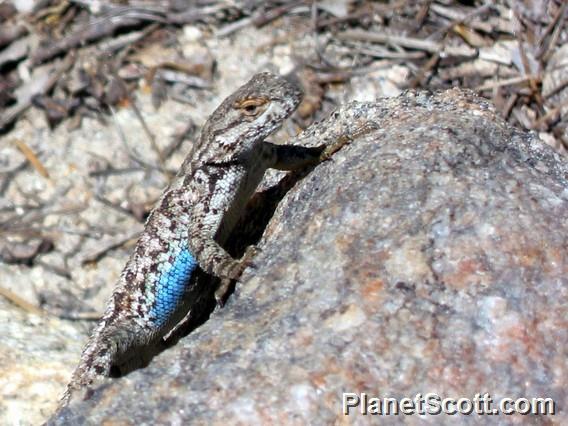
(252, 107)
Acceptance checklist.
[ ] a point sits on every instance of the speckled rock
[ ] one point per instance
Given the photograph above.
(430, 255)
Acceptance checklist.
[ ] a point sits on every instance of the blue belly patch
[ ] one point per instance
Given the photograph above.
(171, 284)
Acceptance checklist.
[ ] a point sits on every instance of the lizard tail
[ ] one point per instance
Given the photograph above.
(101, 352)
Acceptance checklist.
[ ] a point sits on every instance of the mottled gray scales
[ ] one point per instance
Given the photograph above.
(192, 220)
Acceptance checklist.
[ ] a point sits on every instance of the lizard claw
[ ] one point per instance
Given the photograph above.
(247, 259)
(236, 268)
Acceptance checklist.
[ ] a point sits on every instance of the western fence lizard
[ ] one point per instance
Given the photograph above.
(192, 220)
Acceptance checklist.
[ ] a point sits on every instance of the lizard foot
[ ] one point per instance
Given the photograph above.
(236, 268)
(345, 139)
(234, 273)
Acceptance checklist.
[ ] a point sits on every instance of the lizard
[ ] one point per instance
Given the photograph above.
(192, 219)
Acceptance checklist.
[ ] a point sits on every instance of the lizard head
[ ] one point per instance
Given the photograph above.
(251, 113)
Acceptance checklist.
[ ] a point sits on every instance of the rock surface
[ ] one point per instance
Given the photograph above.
(429, 256)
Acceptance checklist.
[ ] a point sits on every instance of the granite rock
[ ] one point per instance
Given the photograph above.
(429, 256)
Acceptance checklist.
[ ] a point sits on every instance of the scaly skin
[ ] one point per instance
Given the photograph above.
(191, 221)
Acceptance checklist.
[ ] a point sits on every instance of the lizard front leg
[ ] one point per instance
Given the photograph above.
(222, 192)
(333, 133)
(215, 260)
